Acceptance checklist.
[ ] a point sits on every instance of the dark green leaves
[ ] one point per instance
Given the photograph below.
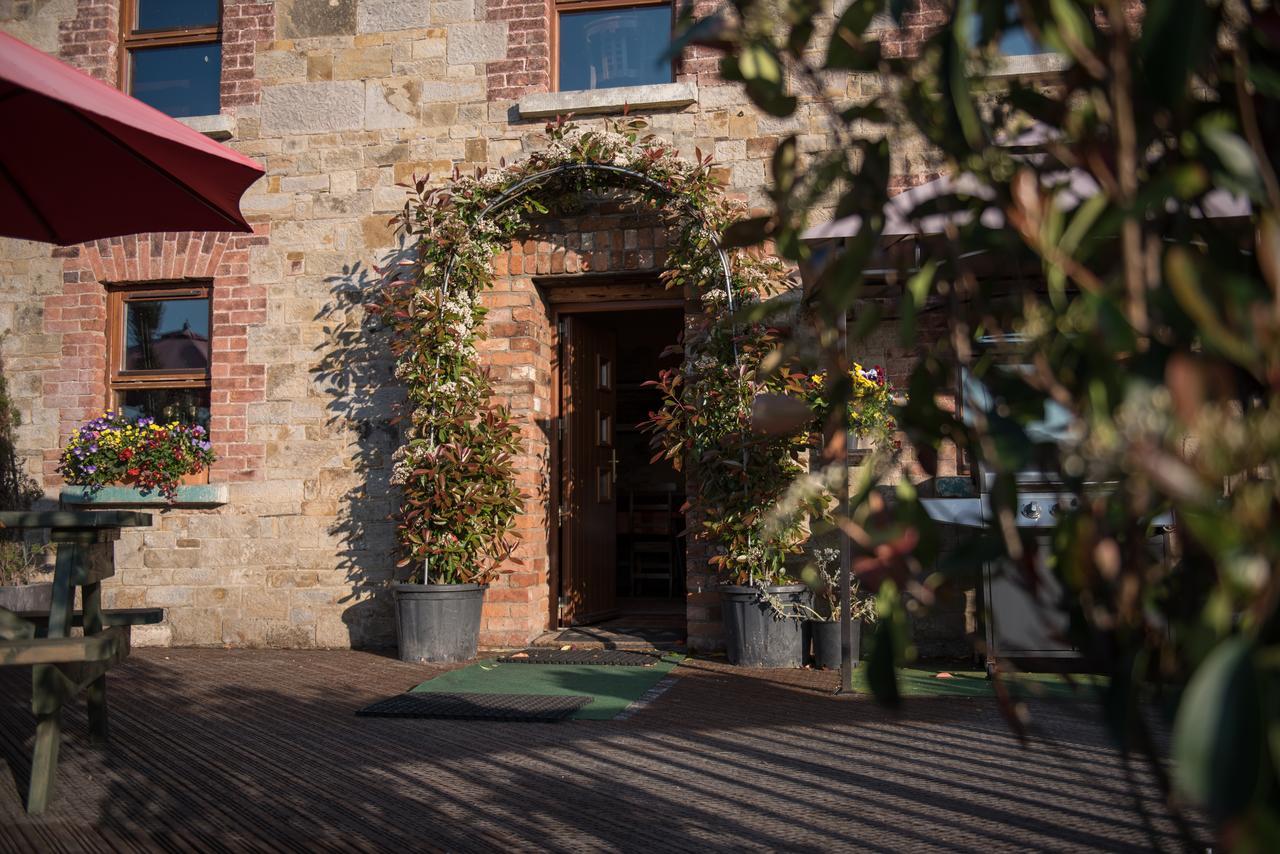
(1218, 734)
(759, 67)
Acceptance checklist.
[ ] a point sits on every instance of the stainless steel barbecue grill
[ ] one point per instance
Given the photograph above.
(1024, 619)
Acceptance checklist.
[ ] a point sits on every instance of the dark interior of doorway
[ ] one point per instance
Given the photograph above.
(650, 570)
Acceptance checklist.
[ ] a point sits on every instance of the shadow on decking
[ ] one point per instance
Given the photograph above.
(245, 748)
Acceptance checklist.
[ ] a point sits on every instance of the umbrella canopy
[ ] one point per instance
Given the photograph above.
(81, 161)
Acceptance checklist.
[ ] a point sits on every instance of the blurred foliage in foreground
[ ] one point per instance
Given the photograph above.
(1155, 325)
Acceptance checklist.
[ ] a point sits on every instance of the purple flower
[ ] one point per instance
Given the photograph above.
(144, 421)
(205, 446)
(90, 469)
(93, 449)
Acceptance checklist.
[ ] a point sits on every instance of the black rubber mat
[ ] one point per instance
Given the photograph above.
(487, 707)
(615, 657)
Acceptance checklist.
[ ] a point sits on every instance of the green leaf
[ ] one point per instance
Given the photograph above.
(1070, 18)
(1218, 733)
(1235, 155)
(1176, 37)
(758, 62)
(746, 232)
(848, 48)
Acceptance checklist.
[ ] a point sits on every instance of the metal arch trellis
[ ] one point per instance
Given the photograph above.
(530, 182)
(518, 189)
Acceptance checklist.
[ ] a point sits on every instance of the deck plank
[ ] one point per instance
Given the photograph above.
(261, 750)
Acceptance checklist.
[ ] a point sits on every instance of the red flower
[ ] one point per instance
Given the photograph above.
(134, 472)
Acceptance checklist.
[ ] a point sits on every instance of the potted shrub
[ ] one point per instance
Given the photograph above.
(741, 474)
(823, 578)
(115, 449)
(456, 467)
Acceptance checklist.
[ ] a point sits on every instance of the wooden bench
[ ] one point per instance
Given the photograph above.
(63, 666)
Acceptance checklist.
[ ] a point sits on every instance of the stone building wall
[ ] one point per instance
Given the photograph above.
(342, 101)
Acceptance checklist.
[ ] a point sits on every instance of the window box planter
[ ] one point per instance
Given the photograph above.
(189, 495)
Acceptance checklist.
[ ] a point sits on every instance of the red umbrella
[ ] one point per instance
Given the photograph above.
(81, 161)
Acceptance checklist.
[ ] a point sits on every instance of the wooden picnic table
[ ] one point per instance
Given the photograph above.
(62, 665)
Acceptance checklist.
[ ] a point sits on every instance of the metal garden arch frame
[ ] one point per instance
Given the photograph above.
(531, 182)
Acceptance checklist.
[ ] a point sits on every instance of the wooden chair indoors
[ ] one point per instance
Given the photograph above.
(653, 524)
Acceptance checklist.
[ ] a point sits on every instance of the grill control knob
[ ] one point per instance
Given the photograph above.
(1031, 510)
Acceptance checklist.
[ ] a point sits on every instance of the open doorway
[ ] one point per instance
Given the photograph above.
(621, 530)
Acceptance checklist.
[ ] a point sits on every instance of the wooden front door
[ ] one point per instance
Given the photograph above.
(588, 512)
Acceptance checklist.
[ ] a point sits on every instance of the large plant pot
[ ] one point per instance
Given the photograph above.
(826, 644)
(27, 597)
(754, 635)
(438, 622)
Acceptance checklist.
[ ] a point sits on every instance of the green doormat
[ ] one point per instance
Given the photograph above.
(916, 682)
(611, 688)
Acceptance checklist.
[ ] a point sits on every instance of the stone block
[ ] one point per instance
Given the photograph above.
(391, 103)
(476, 42)
(381, 16)
(453, 91)
(280, 65)
(313, 107)
(361, 63)
(453, 11)
(301, 19)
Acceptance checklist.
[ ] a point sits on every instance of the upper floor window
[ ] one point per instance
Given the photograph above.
(172, 54)
(1014, 39)
(601, 44)
(158, 351)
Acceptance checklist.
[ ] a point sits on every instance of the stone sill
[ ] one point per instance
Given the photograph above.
(587, 101)
(192, 495)
(1030, 65)
(217, 127)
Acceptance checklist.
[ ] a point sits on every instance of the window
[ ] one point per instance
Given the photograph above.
(1014, 39)
(158, 351)
(601, 44)
(172, 54)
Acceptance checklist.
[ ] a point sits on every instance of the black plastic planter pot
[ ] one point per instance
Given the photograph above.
(826, 644)
(755, 636)
(438, 622)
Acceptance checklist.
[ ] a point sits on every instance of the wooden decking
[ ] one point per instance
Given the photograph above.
(260, 750)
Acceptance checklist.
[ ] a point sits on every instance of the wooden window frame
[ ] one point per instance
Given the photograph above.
(120, 380)
(560, 6)
(132, 39)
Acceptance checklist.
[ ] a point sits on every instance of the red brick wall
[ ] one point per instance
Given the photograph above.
(91, 40)
(78, 390)
(244, 25)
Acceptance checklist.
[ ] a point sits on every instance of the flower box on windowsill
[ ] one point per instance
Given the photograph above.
(189, 495)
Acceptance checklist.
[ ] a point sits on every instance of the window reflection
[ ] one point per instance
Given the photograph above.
(1014, 40)
(188, 405)
(179, 81)
(174, 14)
(166, 335)
(604, 48)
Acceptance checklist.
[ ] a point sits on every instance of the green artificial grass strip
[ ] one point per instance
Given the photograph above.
(611, 688)
(917, 682)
